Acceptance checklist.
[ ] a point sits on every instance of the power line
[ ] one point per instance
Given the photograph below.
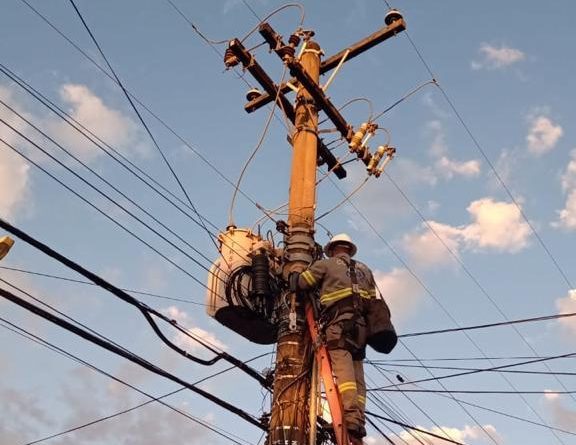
(457, 391)
(454, 368)
(43, 342)
(89, 283)
(490, 325)
(140, 118)
(129, 356)
(145, 310)
(494, 368)
(402, 424)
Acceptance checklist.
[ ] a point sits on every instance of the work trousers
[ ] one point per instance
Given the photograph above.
(346, 339)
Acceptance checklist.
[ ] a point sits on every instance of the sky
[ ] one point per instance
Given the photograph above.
(472, 223)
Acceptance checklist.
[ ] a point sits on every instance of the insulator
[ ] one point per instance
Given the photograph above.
(373, 164)
(252, 94)
(392, 16)
(286, 51)
(294, 40)
(230, 60)
(358, 136)
(261, 275)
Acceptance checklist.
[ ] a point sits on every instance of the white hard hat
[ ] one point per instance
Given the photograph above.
(341, 238)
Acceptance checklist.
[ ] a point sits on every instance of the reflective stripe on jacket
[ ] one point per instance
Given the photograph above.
(332, 276)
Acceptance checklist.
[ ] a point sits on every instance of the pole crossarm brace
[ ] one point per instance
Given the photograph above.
(250, 63)
(331, 62)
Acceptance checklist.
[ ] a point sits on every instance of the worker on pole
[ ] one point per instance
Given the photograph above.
(345, 287)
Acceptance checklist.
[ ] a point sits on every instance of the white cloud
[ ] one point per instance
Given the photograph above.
(448, 168)
(444, 166)
(496, 226)
(108, 124)
(14, 170)
(459, 435)
(497, 57)
(543, 134)
(562, 417)
(567, 305)
(400, 290)
(427, 248)
(567, 216)
(186, 342)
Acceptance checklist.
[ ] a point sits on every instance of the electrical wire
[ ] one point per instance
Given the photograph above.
(490, 325)
(472, 391)
(129, 356)
(456, 368)
(402, 424)
(276, 11)
(163, 123)
(344, 201)
(476, 371)
(145, 310)
(402, 99)
(254, 151)
(72, 280)
(140, 118)
(43, 342)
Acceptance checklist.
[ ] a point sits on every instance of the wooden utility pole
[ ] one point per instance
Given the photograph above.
(292, 379)
(292, 392)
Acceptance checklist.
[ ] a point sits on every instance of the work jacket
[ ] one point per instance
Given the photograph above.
(332, 276)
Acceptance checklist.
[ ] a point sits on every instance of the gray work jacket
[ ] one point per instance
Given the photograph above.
(332, 277)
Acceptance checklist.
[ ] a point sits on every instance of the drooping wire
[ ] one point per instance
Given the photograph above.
(43, 342)
(254, 151)
(127, 355)
(145, 310)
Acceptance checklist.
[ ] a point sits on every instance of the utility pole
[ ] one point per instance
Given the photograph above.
(292, 390)
(293, 355)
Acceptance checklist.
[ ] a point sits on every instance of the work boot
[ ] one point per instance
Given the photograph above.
(356, 433)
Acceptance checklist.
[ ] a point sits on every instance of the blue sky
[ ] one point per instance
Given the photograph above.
(451, 236)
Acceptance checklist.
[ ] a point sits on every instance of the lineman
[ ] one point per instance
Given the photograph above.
(344, 285)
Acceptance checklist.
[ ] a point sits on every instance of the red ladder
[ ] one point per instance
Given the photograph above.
(325, 371)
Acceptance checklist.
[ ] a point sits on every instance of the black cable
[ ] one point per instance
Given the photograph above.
(371, 422)
(402, 424)
(494, 368)
(511, 371)
(140, 118)
(472, 391)
(490, 325)
(139, 102)
(43, 342)
(144, 309)
(72, 280)
(129, 356)
(392, 361)
(109, 184)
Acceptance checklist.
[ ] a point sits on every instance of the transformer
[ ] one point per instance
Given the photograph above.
(242, 285)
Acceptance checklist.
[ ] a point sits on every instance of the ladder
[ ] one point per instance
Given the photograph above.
(325, 371)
